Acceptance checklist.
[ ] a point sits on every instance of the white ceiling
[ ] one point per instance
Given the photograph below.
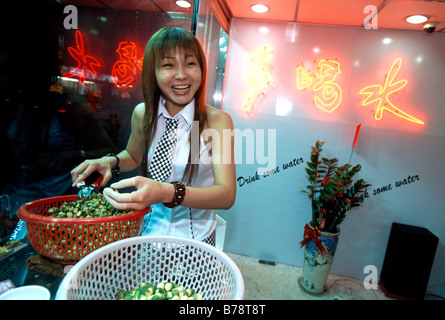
(351, 13)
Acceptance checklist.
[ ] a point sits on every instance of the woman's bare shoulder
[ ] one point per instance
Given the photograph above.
(139, 109)
(139, 112)
(218, 118)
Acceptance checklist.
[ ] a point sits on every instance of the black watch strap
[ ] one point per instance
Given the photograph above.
(116, 170)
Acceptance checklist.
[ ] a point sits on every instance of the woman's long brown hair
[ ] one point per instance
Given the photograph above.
(163, 41)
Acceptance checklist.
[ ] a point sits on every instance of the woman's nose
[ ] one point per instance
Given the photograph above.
(180, 73)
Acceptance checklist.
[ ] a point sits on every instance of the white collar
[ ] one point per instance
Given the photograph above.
(187, 113)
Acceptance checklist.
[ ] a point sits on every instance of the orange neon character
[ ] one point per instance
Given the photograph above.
(328, 94)
(124, 70)
(86, 64)
(304, 79)
(377, 93)
(259, 77)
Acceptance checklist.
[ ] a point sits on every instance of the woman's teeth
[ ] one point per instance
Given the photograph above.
(181, 87)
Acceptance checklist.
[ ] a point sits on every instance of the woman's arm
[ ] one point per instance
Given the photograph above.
(222, 194)
(129, 158)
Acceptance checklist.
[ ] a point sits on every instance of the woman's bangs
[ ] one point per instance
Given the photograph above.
(173, 41)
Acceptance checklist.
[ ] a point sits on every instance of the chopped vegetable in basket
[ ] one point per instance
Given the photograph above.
(163, 291)
(94, 205)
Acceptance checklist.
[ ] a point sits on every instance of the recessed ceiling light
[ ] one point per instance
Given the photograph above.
(386, 40)
(259, 8)
(417, 18)
(183, 4)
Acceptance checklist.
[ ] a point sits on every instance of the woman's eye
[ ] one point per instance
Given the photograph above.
(192, 62)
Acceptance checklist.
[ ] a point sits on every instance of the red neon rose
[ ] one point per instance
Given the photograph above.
(125, 70)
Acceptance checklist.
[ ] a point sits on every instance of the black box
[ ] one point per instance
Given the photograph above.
(408, 261)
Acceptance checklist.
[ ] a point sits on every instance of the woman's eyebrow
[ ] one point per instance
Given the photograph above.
(186, 56)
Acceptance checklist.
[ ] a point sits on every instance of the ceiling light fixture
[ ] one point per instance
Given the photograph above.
(416, 18)
(183, 4)
(259, 8)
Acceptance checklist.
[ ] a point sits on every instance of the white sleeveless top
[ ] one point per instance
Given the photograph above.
(181, 221)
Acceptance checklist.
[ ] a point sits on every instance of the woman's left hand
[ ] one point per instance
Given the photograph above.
(147, 192)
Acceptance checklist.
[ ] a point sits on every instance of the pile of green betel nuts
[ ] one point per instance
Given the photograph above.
(94, 205)
(163, 291)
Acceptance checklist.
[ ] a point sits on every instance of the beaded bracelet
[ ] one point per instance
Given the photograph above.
(179, 195)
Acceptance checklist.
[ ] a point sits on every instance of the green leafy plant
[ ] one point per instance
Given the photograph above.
(332, 190)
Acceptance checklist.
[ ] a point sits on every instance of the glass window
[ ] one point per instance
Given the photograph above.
(214, 41)
(69, 81)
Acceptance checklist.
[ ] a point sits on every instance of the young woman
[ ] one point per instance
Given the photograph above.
(173, 84)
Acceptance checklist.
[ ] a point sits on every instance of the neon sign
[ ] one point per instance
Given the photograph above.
(86, 65)
(259, 77)
(328, 93)
(124, 71)
(378, 94)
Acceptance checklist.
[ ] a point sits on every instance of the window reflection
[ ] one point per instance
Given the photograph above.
(60, 105)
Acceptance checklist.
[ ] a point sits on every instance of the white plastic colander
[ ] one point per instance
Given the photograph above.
(127, 263)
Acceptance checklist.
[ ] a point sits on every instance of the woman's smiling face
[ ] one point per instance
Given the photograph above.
(179, 77)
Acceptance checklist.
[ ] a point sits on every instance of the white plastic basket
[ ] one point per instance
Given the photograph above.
(127, 263)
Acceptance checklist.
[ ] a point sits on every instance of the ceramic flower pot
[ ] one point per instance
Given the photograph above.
(319, 250)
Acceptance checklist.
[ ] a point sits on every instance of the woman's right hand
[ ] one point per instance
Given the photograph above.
(102, 165)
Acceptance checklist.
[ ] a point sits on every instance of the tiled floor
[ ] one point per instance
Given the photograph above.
(280, 282)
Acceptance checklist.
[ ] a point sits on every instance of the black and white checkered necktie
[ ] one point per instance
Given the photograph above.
(161, 164)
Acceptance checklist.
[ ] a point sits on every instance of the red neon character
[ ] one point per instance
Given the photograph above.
(86, 64)
(125, 70)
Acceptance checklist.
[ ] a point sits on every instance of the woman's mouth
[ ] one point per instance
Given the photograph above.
(181, 89)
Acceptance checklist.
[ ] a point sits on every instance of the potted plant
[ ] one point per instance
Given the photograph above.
(333, 193)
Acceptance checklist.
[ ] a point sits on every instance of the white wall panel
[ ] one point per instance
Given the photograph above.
(268, 217)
